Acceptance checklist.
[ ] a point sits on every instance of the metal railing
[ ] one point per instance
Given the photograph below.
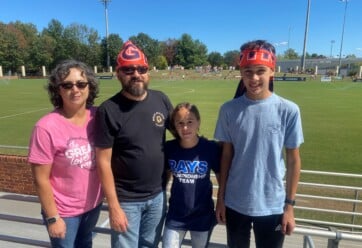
(308, 227)
(338, 201)
(333, 236)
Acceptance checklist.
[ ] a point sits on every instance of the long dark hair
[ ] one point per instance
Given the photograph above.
(241, 89)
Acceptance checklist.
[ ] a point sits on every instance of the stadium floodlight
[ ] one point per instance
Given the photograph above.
(305, 38)
(344, 22)
(105, 2)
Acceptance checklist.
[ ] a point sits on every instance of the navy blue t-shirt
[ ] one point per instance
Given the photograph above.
(190, 205)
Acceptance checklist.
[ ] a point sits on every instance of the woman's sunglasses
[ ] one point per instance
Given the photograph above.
(128, 70)
(68, 85)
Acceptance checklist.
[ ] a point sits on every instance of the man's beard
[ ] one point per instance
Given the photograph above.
(133, 89)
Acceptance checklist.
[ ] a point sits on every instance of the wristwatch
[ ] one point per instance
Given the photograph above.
(289, 201)
(52, 220)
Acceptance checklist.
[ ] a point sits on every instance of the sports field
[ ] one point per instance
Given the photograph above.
(331, 112)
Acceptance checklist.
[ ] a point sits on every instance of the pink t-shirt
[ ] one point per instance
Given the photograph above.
(69, 150)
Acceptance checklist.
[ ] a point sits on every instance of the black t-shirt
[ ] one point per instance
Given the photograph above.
(191, 206)
(136, 132)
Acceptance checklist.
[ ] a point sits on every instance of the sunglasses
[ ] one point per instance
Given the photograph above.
(130, 70)
(68, 85)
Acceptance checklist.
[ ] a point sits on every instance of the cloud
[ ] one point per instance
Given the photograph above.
(283, 43)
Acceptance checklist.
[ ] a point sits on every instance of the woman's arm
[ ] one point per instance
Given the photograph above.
(41, 174)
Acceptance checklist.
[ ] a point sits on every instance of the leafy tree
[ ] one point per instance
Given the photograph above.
(74, 41)
(29, 33)
(13, 48)
(115, 44)
(215, 59)
(22, 44)
(94, 48)
(200, 54)
(290, 54)
(2, 43)
(168, 49)
(161, 62)
(42, 51)
(82, 43)
(231, 58)
(55, 30)
(315, 56)
(190, 53)
(71, 42)
(351, 56)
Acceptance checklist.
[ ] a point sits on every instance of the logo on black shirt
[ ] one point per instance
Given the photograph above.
(159, 119)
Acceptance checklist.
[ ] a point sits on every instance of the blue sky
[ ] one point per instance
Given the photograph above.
(220, 25)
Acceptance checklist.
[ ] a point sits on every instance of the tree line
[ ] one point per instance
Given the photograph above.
(22, 44)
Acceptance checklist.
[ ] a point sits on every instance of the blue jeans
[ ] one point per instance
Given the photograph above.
(266, 230)
(79, 230)
(145, 222)
(173, 238)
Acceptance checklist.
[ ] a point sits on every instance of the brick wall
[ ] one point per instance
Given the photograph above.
(15, 175)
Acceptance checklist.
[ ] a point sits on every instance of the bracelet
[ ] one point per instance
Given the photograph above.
(289, 201)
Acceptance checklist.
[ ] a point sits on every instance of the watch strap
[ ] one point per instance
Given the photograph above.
(52, 219)
(289, 201)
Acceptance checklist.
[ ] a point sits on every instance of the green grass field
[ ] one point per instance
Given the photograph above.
(331, 113)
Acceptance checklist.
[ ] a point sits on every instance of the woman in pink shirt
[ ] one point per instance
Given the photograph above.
(62, 156)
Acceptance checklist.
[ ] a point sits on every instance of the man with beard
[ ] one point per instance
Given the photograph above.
(131, 128)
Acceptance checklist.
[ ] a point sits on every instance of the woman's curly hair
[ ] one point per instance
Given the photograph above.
(61, 71)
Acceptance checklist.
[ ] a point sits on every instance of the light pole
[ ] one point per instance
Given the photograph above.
(289, 31)
(305, 37)
(332, 42)
(344, 22)
(105, 2)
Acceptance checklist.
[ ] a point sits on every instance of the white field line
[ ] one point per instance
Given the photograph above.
(105, 96)
(182, 90)
(187, 91)
(23, 113)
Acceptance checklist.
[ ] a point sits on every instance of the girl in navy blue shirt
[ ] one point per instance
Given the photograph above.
(190, 159)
